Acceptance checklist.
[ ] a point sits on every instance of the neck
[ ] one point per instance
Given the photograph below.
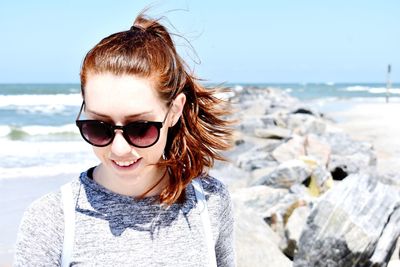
(137, 187)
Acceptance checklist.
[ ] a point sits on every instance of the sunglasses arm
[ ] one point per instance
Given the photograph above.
(80, 111)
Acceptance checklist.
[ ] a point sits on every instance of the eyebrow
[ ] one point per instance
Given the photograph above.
(133, 116)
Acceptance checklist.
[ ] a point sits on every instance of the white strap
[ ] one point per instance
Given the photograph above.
(69, 224)
(202, 205)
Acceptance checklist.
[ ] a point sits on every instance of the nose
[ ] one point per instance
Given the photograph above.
(120, 147)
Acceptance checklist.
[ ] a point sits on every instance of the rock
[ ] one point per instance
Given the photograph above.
(273, 133)
(249, 124)
(320, 180)
(255, 242)
(388, 239)
(349, 164)
(294, 227)
(292, 149)
(303, 111)
(317, 149)
(286, 174)
(353, 224)
(303, 124)
(230, 175)
(394, 263)
(260, 198)
(342, 144)
(258, 157)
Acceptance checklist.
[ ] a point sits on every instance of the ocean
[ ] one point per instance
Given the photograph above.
(38, 136)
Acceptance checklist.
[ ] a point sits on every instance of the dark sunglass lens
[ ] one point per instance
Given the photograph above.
(142, 134)
(96, 133)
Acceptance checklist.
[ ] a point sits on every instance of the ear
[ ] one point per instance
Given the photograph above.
(177, 108)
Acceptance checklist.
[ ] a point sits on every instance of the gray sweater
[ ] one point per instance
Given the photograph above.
(117, 230)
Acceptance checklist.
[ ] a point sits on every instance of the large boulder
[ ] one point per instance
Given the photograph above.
(286, 174)
(256, 244)
(317, 149)
(292, 149)
(356, 223)
(258, 156)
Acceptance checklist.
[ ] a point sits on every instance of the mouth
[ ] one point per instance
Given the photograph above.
(126, 164)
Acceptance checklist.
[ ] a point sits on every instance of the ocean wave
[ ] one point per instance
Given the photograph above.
(371, 90)
(44, 158)
(24, 149)
(29, 101)
(40, 171)
(31, 131)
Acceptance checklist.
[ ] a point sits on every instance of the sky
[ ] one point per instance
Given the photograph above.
(249, 41)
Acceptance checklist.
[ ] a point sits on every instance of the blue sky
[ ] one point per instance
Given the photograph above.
(236, 41)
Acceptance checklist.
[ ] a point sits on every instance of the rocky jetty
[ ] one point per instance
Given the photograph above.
(305, 193)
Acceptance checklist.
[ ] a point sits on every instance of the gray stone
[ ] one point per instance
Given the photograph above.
(258, 157)
(260, 198)
(343, 144)
(286, 174)
(292, 149)
(317, 149)
(249, 124)
(294, 227)
(351, 163)
(273, 133)
(255, 242)
(353, 224)
(303, 124)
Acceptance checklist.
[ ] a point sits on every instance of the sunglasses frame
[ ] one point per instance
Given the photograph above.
(113, 128)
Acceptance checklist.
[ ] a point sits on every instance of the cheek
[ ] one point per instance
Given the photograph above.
(154, 153)
(100, 152)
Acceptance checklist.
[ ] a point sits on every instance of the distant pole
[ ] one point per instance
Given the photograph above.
(388, 85)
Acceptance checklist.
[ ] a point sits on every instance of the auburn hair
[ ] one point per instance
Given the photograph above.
(203, 131)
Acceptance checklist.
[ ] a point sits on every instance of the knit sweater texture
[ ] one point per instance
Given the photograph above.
(117, 230)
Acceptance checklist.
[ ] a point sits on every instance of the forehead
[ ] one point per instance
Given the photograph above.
(107, 92)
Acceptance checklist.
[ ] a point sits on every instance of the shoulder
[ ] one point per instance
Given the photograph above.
(217, 195)
(41, 232)
(214, 188)
(47, 205)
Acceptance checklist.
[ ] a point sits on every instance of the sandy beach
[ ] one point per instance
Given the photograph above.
(376, 123)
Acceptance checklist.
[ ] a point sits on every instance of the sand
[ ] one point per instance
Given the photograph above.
(16, 195)
(378, 124)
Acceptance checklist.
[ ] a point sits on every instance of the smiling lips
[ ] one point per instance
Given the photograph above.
(125, 163)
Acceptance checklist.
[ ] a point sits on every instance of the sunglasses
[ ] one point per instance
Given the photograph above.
(140, 134)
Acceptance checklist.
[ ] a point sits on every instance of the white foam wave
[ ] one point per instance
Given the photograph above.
(45, 130)
(45, 171)
(356, 88)
(371, 90)
(33, 130)
(28, 159)
(54, 101)
(33, 149)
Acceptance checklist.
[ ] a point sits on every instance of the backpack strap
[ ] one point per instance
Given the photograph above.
(205, 218)
(69, 224)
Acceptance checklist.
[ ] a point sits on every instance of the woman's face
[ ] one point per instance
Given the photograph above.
(118, 100)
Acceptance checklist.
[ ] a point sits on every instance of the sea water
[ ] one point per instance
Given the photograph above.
(38, 136)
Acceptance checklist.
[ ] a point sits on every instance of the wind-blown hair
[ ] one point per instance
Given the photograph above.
(148, 51)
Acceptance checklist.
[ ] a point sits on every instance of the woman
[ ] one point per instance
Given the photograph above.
(156, 132)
